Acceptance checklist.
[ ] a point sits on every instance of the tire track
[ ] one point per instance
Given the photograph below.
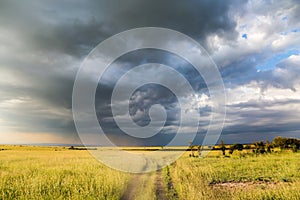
(159, 189)
(131, 190)
(171, 192)
(163, 186)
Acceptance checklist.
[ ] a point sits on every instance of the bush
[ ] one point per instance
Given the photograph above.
(286, 143)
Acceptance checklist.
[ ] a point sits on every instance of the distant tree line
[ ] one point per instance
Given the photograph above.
(287, 143)
(259, 147)
(81, 148)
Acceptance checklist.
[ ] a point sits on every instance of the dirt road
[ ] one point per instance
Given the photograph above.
(145, 186)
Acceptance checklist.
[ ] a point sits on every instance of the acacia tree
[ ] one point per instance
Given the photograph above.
(236, 146)
(280, 142)
(259, 147)
(223, 148)
(199, 150)
(269, 146)
(239, 147)
(191, 149)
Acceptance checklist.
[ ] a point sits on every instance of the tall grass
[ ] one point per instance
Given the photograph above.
(275, 176)
(43, 173)
(59, 173)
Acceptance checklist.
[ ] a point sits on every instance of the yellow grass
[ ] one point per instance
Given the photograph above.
(60, 173)
(56, 173)
(272, 176)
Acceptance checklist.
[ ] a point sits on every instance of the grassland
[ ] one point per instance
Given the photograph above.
(60, 173)
(242, 176)
(56, 173)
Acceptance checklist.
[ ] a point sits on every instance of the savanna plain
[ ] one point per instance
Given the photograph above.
(61, 173)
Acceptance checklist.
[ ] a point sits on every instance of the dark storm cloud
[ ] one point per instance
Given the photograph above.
(76, 27)
(253, 119)
(195, 18)
(42, 44)
(63, 27)
(275, 128)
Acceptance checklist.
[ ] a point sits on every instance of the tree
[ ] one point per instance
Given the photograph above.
(285, 143)
(280, 142)
(259, 147)
(191, 149)
(223, 148)
(294, 148)
(231, 150)
(236, 146)
(269, 146)
(239, 147)
(199, 150)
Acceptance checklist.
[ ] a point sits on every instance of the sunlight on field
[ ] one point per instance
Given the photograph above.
(60, 173)
(56, 173)
(273, 176)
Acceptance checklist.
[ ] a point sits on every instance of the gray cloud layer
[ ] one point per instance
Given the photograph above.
(43, 43)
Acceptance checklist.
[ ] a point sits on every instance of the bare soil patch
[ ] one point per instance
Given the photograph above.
(245, 185)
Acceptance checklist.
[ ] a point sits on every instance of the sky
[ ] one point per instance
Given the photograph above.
(255, 45)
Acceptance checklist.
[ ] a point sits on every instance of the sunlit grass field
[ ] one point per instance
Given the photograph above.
(56, 173)
(242, 176)
(60, 173)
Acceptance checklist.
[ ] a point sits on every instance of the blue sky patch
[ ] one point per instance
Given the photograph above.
(273, 61)
(296, 30)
